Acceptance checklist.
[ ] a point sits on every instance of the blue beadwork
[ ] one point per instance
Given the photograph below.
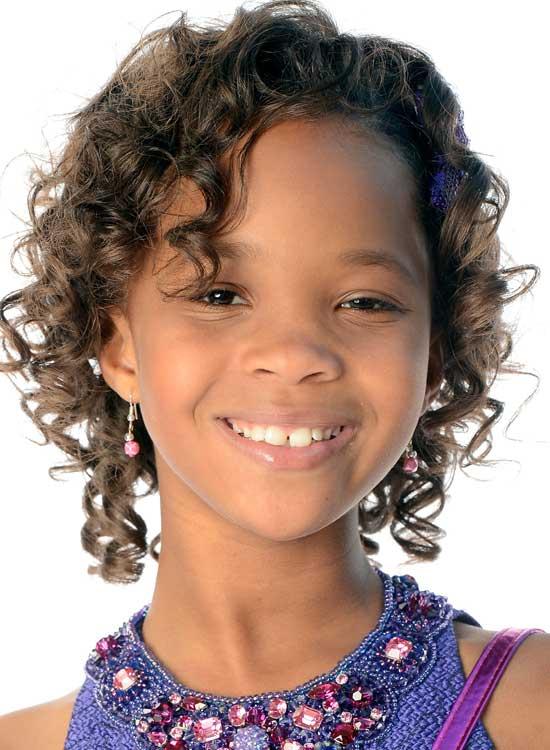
(388, 662)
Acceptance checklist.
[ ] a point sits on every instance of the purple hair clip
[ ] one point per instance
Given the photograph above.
(446, 180)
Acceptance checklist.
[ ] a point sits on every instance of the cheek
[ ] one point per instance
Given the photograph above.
(393, 374)
(175, 370)
(390, 381)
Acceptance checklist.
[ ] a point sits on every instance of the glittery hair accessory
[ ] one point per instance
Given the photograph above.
(445, 181)
(357, 701)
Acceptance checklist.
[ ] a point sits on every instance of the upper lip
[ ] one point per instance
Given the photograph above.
(291, 417)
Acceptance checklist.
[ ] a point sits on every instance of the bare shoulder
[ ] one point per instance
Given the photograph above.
(517, 714)
(49, 721)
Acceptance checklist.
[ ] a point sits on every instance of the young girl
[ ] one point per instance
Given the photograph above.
(321, 185)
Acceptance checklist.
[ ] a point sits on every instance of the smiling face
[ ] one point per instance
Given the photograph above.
(297, 325)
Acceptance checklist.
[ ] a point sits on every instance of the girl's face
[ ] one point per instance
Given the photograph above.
(286, 333)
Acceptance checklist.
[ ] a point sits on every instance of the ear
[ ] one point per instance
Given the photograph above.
(117, 357)
(435, 369)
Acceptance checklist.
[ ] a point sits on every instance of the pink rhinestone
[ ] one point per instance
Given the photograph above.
(174, 698)
(142, 726)
(306, 717)
(207, 729)
(376, 713)
(346, 717)
(157, 738)
(291, 745)
(361, 697)
(410, 464)
(397, 648)
(418, 602)
(175, 744)
(362, 722)
(176, 732)
(277, 708)
(325, 690)
(163, 714)
(343, 733)
(309, 745)
(105, 645)
(193, 703)
(125, 678)
(330, 705)
(131, 448)
(342, 678)
(278, 736)
(237, 715)
(269, 725)
(255, 715)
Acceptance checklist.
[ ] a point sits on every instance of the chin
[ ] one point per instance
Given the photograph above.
(283, 521)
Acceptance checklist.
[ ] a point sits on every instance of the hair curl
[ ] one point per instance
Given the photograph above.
(175, 105)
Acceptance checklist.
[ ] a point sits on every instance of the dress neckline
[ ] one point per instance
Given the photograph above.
(136, 634)
(357, 699)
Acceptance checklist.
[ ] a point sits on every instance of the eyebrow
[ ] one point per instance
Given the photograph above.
(359, 257)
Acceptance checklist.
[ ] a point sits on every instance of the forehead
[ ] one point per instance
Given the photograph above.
(314, 187)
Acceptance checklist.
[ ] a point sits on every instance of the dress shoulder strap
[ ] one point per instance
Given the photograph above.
(478, 687)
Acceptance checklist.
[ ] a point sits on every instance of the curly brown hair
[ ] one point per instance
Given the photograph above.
(173, 108)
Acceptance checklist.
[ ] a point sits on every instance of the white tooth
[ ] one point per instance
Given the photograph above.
(275, 436)
(301, 437)
(257, 433)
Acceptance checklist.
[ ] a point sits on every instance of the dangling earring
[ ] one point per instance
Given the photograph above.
(410, 464)
(131, 446)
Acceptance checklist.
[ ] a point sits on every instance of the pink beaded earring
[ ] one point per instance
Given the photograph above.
(410, 464)
(131, 446)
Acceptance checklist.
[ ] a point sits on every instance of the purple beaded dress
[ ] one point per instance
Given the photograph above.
(393, 691)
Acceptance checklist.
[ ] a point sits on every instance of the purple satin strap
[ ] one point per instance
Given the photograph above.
(478, 687)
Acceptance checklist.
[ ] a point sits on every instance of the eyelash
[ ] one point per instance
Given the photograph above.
(388, 306)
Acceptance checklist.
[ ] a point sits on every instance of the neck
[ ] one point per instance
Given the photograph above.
(235, 614)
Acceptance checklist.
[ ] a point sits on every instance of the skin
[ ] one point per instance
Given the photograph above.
(263, 572)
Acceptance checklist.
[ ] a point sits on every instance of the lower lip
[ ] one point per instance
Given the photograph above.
(282, 457)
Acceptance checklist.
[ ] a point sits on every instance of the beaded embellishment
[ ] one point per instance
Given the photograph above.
(351, 705)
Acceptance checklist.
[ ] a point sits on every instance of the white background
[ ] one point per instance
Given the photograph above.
(495, 558)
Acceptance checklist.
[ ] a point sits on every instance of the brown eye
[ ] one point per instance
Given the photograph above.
(200, 300)
(382, 305)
